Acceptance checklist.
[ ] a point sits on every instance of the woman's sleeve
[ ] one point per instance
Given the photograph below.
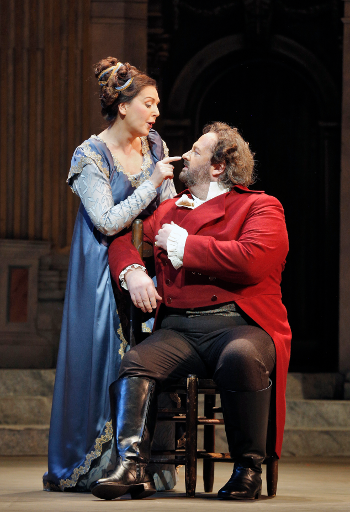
(93, 188)
(167, 190)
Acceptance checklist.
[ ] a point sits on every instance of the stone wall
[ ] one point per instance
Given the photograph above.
(52, 46)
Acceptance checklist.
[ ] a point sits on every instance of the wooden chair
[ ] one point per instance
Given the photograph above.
(187, 414)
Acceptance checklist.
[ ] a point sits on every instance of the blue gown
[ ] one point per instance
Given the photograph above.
(92, 343)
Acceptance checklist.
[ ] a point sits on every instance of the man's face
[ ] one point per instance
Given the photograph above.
(198, 167)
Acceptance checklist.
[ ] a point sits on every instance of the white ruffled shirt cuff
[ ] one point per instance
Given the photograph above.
(176, 246)
(123, 272)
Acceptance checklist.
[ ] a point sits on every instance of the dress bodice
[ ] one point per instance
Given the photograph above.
(112, 198)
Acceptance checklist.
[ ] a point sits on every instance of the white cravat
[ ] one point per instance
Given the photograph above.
(178, 236)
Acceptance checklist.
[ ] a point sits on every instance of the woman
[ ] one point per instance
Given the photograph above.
(119, 175)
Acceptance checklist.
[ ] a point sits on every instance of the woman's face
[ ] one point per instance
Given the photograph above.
(141, 113)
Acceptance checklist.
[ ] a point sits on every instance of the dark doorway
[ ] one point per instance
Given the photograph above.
(278, 110)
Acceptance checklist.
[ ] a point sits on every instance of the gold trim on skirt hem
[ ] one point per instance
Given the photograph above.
(84, 468)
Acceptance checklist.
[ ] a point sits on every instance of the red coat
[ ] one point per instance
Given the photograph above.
(235, 251)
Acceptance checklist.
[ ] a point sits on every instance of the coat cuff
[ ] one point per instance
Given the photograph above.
(123, 273)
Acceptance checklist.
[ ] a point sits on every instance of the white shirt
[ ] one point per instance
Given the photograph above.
(178, 236)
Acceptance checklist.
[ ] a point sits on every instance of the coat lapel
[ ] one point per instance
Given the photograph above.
(173, 213)
(193, 220)
(204, 214)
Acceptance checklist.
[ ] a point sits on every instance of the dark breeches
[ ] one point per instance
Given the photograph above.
(238, 356)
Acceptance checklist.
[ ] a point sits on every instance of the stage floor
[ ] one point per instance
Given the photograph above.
(304, 485)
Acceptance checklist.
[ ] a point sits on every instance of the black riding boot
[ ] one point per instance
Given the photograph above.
(134, 410)
(246, 415)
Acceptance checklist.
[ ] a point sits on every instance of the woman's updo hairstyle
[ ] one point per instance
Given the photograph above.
(119, 83)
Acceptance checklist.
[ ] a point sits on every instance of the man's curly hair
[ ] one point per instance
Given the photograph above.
(232, 150)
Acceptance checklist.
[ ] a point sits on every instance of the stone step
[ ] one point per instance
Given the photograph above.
(316, 423)
(316, 442)
(26, 382)
(318, 413)
(299, 442)
(313, 428)
(18, 440)
(299, 385)
(25, 410)
(317, 386)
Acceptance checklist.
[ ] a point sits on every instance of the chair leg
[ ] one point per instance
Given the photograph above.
(191, 435)
(272, 476)
(209, 443)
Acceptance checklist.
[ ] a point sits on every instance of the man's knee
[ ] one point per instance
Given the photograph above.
(131, 364)
(246, 362)
(143, 359)
(161, 357)
(239, 355)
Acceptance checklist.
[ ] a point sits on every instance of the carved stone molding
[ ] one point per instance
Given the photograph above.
(20, 344)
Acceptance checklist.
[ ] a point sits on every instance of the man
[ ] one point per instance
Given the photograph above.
(219, 253)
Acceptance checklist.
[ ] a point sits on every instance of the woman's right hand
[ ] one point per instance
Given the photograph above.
(163, 170)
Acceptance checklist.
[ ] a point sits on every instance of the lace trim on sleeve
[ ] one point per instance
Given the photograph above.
(167, 190)
(165, 149)
(176, 246)
(94, 190)
(123, 272)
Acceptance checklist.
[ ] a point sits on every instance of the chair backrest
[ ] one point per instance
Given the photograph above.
(134, 332)
(137, 236)
(145, 249)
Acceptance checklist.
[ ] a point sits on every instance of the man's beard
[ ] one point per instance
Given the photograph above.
(198, 176)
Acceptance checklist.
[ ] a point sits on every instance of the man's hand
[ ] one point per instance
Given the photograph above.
(163, 235)
(143, 293)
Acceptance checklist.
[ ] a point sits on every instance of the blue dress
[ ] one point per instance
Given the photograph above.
(92, 343)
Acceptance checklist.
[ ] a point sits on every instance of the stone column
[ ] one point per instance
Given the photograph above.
(118, 29)
(344, 285)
